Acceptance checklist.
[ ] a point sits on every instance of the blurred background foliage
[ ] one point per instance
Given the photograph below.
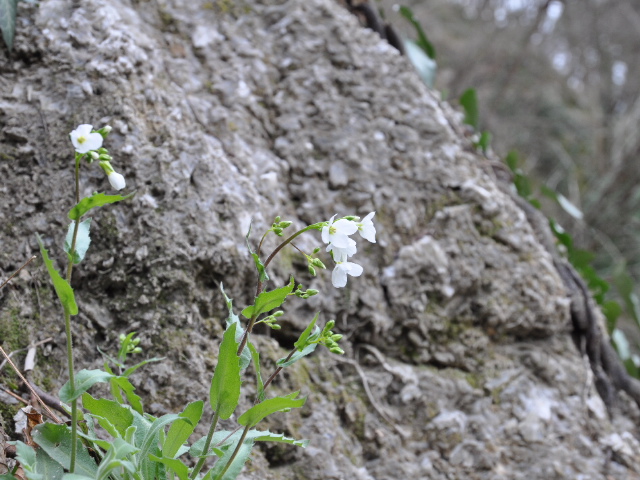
(556, 81)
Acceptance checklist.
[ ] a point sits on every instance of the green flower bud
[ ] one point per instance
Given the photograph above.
(330, 324)
(337, 350)
(336, 337)
(279, 313)
(137, 350)
(277, 220)
(122, 337)
(312, 270)
(275, 326)
(318, 263)
(285, 224)
(277, 231)
(311, 292)
(316, 250)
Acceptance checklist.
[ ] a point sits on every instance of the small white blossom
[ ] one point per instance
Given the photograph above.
(116, 180)
(341, 254)
(338, 233)
(340, 272)
(366, 229)
(83, 140)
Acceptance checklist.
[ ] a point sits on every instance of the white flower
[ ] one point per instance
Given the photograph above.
(83, 140)
(366, 229)
(341, 254)
(338, 233)
(340, 272)
(116, 180)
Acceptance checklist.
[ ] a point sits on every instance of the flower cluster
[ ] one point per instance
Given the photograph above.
(88, 142)
(341, 246)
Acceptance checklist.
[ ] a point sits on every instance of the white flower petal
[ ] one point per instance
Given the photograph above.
(345, 227)
(339, 276)
(83, 140)
(117, 181)
(366, 229)
(354, 269)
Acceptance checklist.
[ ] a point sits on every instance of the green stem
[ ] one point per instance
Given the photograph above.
(235, 452)
(67, 326)
(260, 287)
(207, 444)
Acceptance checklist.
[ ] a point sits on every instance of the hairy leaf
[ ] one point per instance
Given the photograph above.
(84, 380)
(225, 384)
(96, 200)
(8, 10)
(62, 287)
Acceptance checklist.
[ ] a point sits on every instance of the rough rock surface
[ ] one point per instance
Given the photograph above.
(224, 112)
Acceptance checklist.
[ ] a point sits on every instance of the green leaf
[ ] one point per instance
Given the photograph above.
(115, 459)
(84, 380)
(308, 332)
(56, 441)
(483, 142)
(75, 476)
(8, 10)
(152, 435)
(256, 366)
(117, 415)
(176, 465)
(62, 287)
(122, 384)
(82, 240)
(49, 468)
(283, 362)
(612, 311)
(267, 436)
(245, 356)
(278, 404)
(225, 384)
(469, 102)
(262, 273)
(267, 301)
(181, 429)
(423, 42)
(95, 200)
(132, 369)
(236, 466)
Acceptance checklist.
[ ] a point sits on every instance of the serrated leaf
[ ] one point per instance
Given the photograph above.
(278, 404)
(469, 102)
(182, 429)
(236, 466)
(56, 441)
(61, 286)
(82, 240)
(84, 380)
(267, 301)
(95, 200)
(224, 393)
(8, 9)
(120, 417)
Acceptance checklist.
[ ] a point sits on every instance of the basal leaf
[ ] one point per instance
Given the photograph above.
(182, 429)
(120, 417)
(95, 200)
(61, 286)
(56, 441)
(278, 404)
(176, 465)
(84, 380)
(225, 384)
(82, 240)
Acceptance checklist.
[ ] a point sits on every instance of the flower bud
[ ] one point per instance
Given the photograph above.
(94, 156)
(318, 263)
(277, 220)
(316, 250)
(137, 350)
(279, 313)
(285, 224)
(275, 326)
(107, 129)
(311, 292)
(336, 337)
(336, 350)
(330, 324)
(116, 180)
(312, 271)
(277, 231)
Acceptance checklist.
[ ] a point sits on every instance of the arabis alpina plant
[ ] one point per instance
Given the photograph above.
(140, 445)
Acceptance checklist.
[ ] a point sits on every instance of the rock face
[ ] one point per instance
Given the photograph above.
(225, 113)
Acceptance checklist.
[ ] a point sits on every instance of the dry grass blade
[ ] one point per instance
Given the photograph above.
(17, 272)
